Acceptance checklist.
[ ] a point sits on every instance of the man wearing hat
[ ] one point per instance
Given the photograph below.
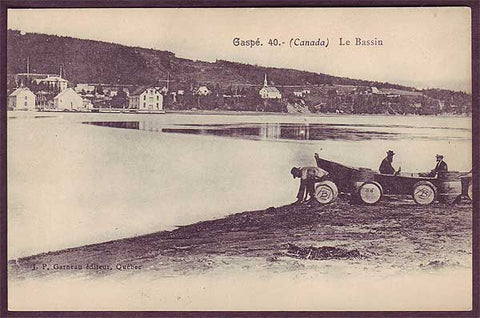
(308, 177)
(440, 167)
(386, 165)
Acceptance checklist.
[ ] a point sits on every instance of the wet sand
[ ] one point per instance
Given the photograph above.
(395, 234)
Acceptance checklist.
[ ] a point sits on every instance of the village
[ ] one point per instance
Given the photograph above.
(55, 93)
(152, 165)
(52, 92)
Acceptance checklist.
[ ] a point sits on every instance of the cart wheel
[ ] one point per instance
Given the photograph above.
(369, 192)
(470, 190)
(424, 192)
(326, 192)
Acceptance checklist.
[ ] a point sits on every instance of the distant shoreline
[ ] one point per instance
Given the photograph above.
(243, 113)
(234, 112)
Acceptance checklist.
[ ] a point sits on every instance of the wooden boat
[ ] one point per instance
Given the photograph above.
(368, 186)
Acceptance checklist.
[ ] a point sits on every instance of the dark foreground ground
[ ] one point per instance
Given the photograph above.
(393, 234)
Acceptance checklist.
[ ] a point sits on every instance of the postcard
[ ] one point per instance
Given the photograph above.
(239, 159)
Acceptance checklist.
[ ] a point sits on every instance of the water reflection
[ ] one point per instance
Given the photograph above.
(258, 131)
(295, 131)
(275, 131)
(116, 124)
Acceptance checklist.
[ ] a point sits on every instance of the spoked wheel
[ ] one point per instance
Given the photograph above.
(326, 192)
(369, 192)
(424, 192)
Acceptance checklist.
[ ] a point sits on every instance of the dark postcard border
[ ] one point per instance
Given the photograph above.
(475, 36)
(232, 3)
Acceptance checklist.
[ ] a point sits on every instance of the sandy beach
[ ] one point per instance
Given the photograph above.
(395, 233)
(362, 251)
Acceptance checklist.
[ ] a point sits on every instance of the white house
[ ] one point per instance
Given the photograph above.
(112, 93)
(54, 81)
(163, 90)
(298, 93)
(87, 89)
(146, 98)
(269, 92)
(301, 93)
(87, 104)
(174, 96)
(21, 99)
(203, 91)
(68, 100)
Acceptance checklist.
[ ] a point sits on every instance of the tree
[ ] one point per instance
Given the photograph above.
(120, 100)
(99, 90)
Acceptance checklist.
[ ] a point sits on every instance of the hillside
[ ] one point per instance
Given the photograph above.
(234, 86)
(101, 62)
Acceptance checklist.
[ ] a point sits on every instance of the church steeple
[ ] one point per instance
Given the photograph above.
(265, 82)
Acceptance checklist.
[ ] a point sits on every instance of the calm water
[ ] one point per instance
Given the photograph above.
(77, 179)
(294, 131)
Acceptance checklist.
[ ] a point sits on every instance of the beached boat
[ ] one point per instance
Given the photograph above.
(368, 186)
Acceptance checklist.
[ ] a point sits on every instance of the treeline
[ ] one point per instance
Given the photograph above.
(280, 76)
(84, 61)
(383, 104)
(87, 61)
(318, 101)
(449, 97)
(233, 86)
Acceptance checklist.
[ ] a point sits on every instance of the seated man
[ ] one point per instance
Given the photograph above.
(440, 167)
(308, 177)
(386, 165)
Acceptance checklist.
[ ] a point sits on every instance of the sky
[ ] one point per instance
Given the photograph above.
(422, 47)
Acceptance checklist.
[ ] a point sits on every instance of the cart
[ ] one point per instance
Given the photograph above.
(367, 186)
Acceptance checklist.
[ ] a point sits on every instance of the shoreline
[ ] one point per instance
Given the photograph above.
(234, 112)
(246, 113)
(396, 235)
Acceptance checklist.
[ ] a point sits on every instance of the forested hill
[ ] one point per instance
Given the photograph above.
(86, 61)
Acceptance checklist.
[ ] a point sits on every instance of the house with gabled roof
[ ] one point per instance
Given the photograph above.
(54, 81)
(21, 99)
(203, 91)
(145, 98)
(68, 100)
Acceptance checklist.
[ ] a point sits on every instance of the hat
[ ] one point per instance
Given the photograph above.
(439, 156)
(390, 153)
(294, 170)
